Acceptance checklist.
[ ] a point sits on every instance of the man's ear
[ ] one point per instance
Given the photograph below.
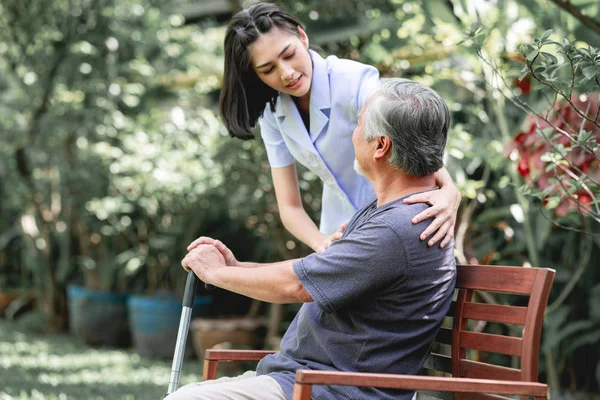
(383, 149)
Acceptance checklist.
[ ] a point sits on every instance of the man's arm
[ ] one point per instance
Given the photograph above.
(274, 283)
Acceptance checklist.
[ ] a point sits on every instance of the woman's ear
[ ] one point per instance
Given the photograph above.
(303, 36)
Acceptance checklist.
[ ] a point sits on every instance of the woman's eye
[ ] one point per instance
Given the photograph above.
(290, 56)
(267, 72)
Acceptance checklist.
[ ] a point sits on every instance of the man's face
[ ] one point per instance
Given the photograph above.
(362, 151)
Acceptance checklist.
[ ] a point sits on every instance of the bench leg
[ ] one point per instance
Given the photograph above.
(210, 370)
(302, 392)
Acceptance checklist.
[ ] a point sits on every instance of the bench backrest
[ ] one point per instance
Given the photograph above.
(462, 350)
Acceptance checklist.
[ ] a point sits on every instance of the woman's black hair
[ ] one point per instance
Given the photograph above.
(243, 95)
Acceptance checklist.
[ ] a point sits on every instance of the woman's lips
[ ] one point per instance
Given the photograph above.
(296, 84)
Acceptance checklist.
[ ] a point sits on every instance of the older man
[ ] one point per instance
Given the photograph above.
(373, 302)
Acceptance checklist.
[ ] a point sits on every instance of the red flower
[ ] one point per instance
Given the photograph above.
(523, 167)
(523, 84)
(531, 146)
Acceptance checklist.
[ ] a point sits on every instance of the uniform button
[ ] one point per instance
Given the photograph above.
(314, 160)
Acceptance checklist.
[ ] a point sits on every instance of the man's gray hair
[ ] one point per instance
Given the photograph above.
(415, 118)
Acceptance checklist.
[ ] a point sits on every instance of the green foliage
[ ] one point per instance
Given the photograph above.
(96, 144)
(112, 157)
(554, 172)
(114, 152)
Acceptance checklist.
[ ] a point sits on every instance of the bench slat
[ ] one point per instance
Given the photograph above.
(478, 370)
(495, 313)
(493, 343)
(517, 280)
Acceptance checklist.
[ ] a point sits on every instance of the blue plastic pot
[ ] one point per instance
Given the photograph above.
(154, 322)
(99, 318)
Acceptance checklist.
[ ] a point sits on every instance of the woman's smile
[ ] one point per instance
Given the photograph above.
(295, 84)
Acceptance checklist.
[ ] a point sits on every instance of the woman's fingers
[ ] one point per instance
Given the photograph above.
(419, 198)
(343, 227)
(448, 238)
(432, 211)
(441, 233)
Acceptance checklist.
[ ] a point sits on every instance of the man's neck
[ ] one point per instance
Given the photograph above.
(392, 185)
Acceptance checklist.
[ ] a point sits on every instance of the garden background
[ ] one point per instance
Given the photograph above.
(113, 159)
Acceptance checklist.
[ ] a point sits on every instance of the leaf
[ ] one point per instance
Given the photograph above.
(532, 54)
(590, 72)
(584, 136)
(546, 35)
(551, 57)
(526, 47)
(547, 157)
(570, 329)
(543, 228)
(585, 52)
(590, 338)
(552, 202)
(557, 318)
(523, 74)
(475, 26)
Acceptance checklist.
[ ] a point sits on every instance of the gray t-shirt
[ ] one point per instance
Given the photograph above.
(380, 295)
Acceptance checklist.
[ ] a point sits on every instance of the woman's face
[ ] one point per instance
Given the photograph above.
(281, 60)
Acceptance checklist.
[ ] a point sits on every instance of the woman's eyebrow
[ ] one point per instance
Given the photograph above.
(268, 63)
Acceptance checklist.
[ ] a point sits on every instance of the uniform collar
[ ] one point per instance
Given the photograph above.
(320, 96)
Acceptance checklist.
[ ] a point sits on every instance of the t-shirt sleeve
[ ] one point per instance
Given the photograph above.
(366, 85)
(365, 261)
(277, 151)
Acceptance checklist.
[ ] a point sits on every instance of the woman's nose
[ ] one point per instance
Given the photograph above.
(287, 73)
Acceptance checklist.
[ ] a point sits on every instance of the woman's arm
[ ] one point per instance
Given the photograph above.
(294, 217)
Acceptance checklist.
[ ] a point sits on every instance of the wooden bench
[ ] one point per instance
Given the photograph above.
(450, 371)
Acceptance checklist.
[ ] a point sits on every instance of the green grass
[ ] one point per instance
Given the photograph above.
(59, 366)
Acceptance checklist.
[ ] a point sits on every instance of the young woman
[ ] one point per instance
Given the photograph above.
(307, 109)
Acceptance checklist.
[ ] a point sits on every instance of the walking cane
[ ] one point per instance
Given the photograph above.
(184, 325)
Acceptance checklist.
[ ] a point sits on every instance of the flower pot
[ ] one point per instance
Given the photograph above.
(154, 322)
(234, 332)
(99, 318)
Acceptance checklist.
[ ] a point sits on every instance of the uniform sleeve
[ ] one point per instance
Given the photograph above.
(277, 152)
(366, 261)
(365, 85)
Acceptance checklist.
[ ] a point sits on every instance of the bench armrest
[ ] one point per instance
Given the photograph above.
(212, 358)
(305, 379)
(236, 355)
